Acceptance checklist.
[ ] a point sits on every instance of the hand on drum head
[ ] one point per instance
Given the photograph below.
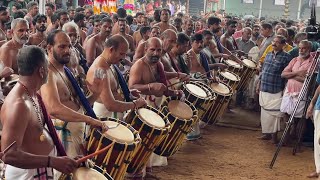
(157, 89)
(225, 56)
(183, 76)
(98, 124)
(140, 103)
(135, 93)
(64, 164)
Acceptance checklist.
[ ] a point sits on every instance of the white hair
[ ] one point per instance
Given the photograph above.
(18, 20)
(71, 24)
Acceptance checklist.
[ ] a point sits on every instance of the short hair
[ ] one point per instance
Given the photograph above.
(18, 20)
(177, 20)
(155, 27)
(71, 24)
(180, 14)
(291, 32)
(165, 34)
(122, 19)
(301, 35)
(18, 14)
(78, 17)
(38, 16)
(207, 32)
(122, 13)
(139, 14)
(16, 4)
(143, 30)
(29, 59)
(54, 17)
(165, 9)
(306, 43)
(52, 35)
(106, 19)
(156, 15)
(31, 4)
(79, 9)
(266, 26)
(196, 37)
(3, 8)
(51, 5)
(284, 30)
(231, 22)
(182, 38)
(129, 19)
(256, 26)
(213, 20)
(62, 12)
(282, 39)
(115, 41)
(115, 16)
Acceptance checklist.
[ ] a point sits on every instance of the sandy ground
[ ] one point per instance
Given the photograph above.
(235, 154)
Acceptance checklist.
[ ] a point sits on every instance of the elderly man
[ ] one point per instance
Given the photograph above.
(244, 42)
(296, 72)
(112, 90)
(63, 97)
(271, 86)
(25, 121)
(9, 51)
(268, 34)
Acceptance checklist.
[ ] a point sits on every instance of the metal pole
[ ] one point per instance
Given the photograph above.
(205, 6)
(299, 9)
(260, 9)
(42, 8)
(224, 4)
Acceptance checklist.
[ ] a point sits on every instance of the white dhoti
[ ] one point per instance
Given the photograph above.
(316, 145)
(101, 112)
(14, 173)
(270, 111)
(289, 101)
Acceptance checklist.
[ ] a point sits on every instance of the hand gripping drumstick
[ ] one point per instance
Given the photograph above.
(9, 147)
(83, 159)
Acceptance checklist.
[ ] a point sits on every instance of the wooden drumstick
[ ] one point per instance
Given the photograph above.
(83, 159)
(9, 147)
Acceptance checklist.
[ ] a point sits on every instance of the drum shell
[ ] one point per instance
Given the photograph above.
(233, 84)
(218, 107)
(235, 69)
(114, 165)
(245, 76)
(98, 169)
(178, 131)
(151, 137)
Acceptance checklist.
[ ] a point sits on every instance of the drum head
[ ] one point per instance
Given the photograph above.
(151, 118)
(233, 63)
(180, 109)
(254, 53)
(83, 173)
(120, 133)
(249, 63)
(220, 88)
(194, 89)
(229, 75)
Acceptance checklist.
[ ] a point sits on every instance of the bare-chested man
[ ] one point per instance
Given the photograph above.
(79, 19)
(122, 31)
(50, 8)
(155, 32)
(177, 51)
(39, 38)
(4, 18)
(111, 102)
(9, 51)
(95, 31)
(189, 27)
(54, 22)
(23, 118)
(227, 39)
(94, 45)
(137, 35)
(33, 10)
(164, 24)
(61, 98)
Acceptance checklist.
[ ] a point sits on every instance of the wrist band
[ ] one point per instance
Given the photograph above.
(48, 163)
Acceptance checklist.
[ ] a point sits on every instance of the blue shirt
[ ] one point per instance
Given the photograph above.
(317, 106)
(273, 66)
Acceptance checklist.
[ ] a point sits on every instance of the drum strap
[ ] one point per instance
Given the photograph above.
(52, 130)
(162, 75)
(205, 64)
(123, 84)
(219, 46)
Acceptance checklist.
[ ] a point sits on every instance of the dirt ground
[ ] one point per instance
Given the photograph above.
(235, 154)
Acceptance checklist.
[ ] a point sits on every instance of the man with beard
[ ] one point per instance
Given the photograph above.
(155, 32)
(25, 122)
(63, 17)
(50, 8)
(136, 35)
(244, 42)
(270, 88)
(9, 50)
(210, 47)
(61, 97)
(178, 24)
(111, 93)
(147, 75)
(39, 38)
(256, 37)
(177, 52)
(95, 31)
(54, 23)
(4, 18)
(33, 10)
(79, 19)
(94, 46)
(227, 40)
(188, 27)
(72, 30)
(164, 24)
(214, 25)
(122, 31)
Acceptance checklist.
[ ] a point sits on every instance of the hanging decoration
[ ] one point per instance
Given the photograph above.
(128, 5)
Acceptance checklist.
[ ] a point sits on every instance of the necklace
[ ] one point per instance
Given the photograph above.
(150, 69)
(38, 111)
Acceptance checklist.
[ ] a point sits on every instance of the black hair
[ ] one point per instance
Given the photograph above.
(266, 26)
(139, 13)
(231, 22)
(213, 20)
(143, 30)
(129, 19)
(51, 5)
(196, 37)
(122, 13)
(18, 14)
(29, 59)
(207, 32)
(62, 12)
(38, 16)
(79, 9)
(52, 35)
(291, 32)
(177, 20)
(165, 9)
(78, 17)
(106, 19)
(54, 17)
(182, 38)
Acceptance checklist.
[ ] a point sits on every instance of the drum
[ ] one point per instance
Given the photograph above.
(153, 127)
(249, 68)
(199, 95)
(181, 116)
(125, 141)
(233, 66)
(84, 173)
(223, 94)
(229, 78)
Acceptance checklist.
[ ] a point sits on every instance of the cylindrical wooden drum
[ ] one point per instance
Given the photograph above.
(249, 69)
(233, 66)
(126, 141)
(84, 173)
(181, 116)
(229, 78)
(223, 94)
(153, 127)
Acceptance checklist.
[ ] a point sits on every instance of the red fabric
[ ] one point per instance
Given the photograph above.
(163, 78)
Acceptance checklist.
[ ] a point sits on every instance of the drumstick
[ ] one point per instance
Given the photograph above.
(83, 159)
(10, 146)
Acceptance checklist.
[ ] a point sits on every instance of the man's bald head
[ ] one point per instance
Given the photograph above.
(153, 40)
(246, 33)
(168, 33)
(115, 41)
(116, 48)
(169, 38)
(153, 49)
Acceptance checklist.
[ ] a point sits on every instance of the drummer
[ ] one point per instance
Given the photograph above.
(34, 151)
(62, 97)
(105, 80)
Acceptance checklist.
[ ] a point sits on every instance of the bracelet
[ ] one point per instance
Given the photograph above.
(149, 87)
(48, 163)
(135, 105)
